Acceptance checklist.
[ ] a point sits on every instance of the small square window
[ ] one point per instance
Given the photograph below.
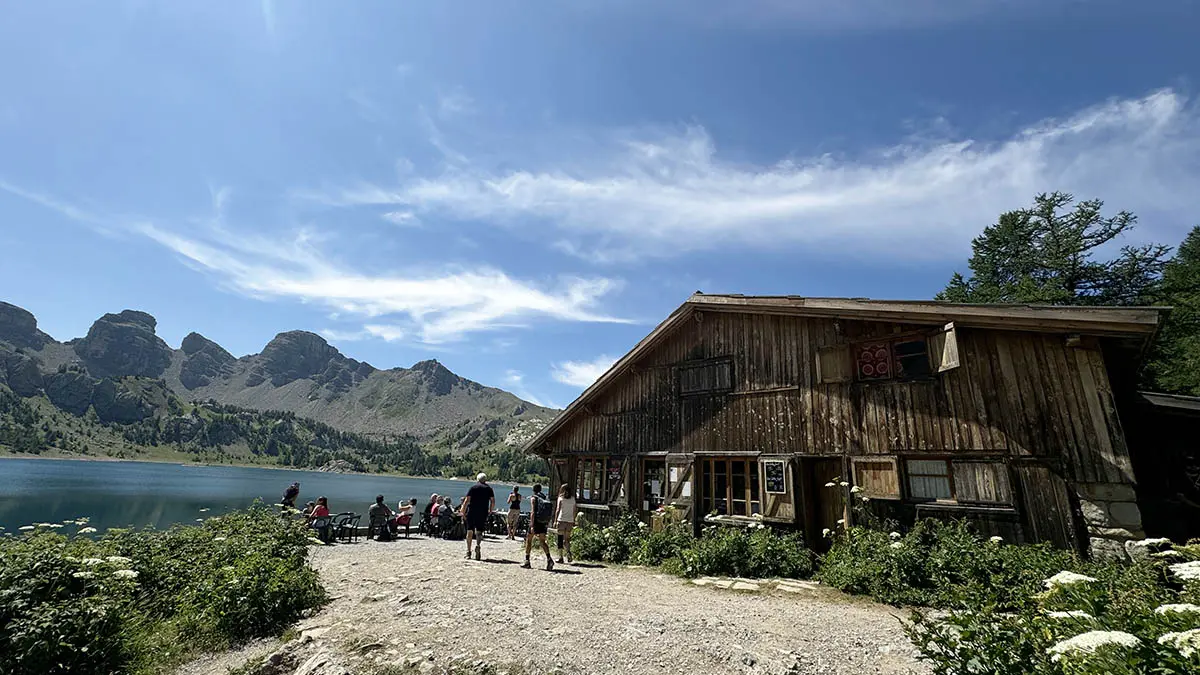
(929, 479)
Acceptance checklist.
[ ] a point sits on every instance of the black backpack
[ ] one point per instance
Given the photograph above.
(544, 510)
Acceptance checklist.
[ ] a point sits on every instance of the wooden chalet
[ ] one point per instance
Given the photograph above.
(737, 409)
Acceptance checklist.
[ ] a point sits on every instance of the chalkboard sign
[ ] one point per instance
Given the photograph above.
(774, 471)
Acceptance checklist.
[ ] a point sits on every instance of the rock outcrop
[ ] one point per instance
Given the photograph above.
(18, 327)
(70, 390)
(124, 344)
(437, 378)
(116, 403)
(299, 354)
(204, 361)
(20, 372)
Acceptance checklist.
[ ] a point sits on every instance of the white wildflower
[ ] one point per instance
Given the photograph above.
(996, 540)
(865, 499)
(87, 530)
(93, 561)
(1187, 642)
(1067, 579)
(831, 484)
(1188, 571)
(54, 526)
(1089, 642)
(125, 574)
(1072, 614)
(894, 535)
(199, 520)
(897, 544)
(84, 575)
(843, 484)
(220, 538)
(855, 490)
(118, 560)
(1170, 554)
(25, 528)
(826, 532)
(203, 510)
(1182, 608)
(641, 526)
(841, 521)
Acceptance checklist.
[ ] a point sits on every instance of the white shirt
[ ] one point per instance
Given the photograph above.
(566, 509)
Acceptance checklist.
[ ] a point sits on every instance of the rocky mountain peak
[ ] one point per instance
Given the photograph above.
(204, 361)
(438, 378)
(124, 344)
(18, 327)
(299, 354)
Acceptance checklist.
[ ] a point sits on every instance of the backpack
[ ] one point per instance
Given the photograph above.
(544, 510)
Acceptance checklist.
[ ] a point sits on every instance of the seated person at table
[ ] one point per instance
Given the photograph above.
(404, 516)
(379, 514)
(320, 511)
(445, 514)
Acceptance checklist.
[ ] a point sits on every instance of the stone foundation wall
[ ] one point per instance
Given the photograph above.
(1112, 516)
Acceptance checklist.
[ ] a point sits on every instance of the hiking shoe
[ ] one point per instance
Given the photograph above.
(468, 554)
(478, 556)
(527, 565)
(560, 560)
(549, 565)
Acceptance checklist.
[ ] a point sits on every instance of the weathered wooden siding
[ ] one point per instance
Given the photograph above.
(1016, 393)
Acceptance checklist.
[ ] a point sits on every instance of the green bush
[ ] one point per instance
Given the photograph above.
(939, 564)
(141, 601)
(755, 552)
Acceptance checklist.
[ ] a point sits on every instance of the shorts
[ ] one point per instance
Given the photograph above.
(538, 528)
(514, 515)
(565, 528)
(477, 522)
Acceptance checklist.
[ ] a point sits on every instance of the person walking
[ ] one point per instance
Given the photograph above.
(564, 518)
(541, 510)
(476, 507)
(514, 512)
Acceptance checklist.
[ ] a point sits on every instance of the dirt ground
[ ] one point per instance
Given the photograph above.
(417, 606)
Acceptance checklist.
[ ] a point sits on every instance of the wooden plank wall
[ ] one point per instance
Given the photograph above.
(1021, 394)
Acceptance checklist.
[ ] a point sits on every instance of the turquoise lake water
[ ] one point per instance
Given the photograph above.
(123, 494)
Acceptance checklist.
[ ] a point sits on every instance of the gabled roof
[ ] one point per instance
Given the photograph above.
(1125, 322)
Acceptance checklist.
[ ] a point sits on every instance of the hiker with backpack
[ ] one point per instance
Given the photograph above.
(541, 512)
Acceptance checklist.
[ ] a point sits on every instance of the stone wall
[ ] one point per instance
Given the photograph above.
(1112, 516)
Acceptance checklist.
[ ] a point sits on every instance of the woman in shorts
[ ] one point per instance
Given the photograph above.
(564, 517)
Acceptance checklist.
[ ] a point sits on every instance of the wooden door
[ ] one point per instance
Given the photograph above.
(681, 482)
(1045, 506)
(823, 506)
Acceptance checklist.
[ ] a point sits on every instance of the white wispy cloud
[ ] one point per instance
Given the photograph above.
(268, 14)
(402, 218)
(455, 102)
(581, 373)
(671, 194)
(431, 308)
(514, 380)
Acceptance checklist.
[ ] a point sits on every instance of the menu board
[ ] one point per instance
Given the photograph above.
(774, 474)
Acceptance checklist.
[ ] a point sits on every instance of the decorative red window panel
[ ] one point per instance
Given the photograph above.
(873, 360)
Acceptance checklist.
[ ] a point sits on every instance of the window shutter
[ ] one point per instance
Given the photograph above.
(834, 364)
(943, 349)
(982, 482)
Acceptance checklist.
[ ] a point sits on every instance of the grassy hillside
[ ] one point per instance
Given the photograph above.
(214, 433)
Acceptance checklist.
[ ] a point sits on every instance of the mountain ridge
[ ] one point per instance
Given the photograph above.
(124, 373)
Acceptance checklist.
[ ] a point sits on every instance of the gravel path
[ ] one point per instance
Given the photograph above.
(417, 606)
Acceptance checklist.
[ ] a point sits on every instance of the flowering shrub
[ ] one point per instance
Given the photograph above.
(1095, 620)
(939, 564)
(139, 601)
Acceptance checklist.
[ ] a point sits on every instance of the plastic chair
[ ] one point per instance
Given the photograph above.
(345, 527)
(376, 526)
(323, 526)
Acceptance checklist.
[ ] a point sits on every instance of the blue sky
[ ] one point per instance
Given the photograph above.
(523, 189)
